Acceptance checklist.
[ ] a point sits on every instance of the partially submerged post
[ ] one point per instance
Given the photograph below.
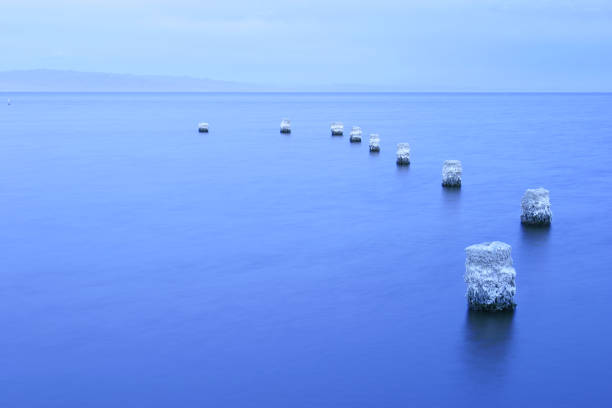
(490, 277)
(285, 126)
(451, 173)
(337, 129)
(356, 134)
(403, 154)
(374, 143)
(203, 127)
(535, 207)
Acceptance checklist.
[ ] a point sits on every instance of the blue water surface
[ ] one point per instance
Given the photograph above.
(144, 264)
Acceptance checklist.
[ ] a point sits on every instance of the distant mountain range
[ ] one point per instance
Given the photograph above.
(50, 80)
(47, 80)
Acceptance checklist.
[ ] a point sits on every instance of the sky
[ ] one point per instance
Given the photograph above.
(428, 45)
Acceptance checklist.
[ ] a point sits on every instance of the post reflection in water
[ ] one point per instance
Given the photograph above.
(488, 340)
(535, 235)
(403, 168)
(451, 195)
(534, 247)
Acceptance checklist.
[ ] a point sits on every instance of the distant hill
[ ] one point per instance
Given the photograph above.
(47, 80)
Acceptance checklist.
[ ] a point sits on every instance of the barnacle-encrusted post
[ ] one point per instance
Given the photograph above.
(490, 276)
(535, 207)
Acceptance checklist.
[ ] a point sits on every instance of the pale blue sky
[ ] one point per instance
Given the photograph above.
(414, 45)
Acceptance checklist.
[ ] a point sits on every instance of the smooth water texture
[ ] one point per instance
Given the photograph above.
(146, 264)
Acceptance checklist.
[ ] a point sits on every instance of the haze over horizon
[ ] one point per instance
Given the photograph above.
(453, 45)
(51, 80)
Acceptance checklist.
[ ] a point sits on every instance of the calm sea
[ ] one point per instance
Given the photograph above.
(144, 264)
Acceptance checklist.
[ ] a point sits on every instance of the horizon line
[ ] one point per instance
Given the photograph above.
(305, 92)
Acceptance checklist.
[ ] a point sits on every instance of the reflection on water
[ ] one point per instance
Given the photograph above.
(402, 168)
(535, 234)
(534, 246)
(488, 339)
(451, 195)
